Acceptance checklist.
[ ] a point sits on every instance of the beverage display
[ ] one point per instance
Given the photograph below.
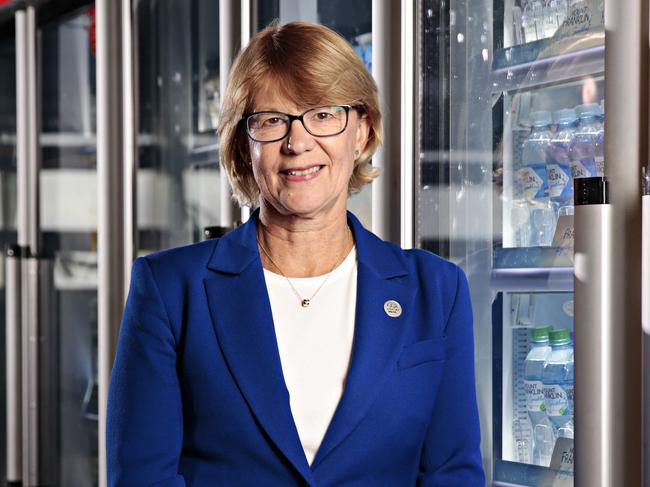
(533, 372)
(558, 164)
(587, 147)
(532, 183)
(557, 379)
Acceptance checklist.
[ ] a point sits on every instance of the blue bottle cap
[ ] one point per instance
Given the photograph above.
(564, 116)
(588, 110)
(540, 118)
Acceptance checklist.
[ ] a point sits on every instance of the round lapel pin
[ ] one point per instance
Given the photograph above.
(392, 308)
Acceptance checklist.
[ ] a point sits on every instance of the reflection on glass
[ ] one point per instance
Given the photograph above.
(69, 232)
(7, 206)
(178, 171)
(353, 20)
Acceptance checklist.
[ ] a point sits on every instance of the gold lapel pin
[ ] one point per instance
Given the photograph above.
(392, 308)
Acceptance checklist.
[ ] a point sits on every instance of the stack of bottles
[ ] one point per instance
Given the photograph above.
(562, 146)
(548, 374)
(540, 19)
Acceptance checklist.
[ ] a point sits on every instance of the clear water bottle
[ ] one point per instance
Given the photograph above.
(558, 165)
(532, 182)
(557, 379)
(587, 149)
(533, 386)
(554, 13)
(532, 20)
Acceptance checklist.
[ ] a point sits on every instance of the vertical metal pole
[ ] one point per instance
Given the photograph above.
(407, 117)
(130, 131)
(248, 23)
(386, 69)
(595, 332)
(229, 42)
(14, 367)
(110, 167)
(626, 130)
(28, 236)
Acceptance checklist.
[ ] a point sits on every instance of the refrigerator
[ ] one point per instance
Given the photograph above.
(531, 130)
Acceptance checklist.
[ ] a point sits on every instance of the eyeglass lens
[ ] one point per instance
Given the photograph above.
(322, 121)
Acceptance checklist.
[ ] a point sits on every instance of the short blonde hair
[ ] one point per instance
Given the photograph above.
(310, 65)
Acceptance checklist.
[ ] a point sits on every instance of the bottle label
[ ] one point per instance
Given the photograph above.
(534, 396)
(568, 388)
(558, 177)
(556, 400)
(583, 168)
(532, 181)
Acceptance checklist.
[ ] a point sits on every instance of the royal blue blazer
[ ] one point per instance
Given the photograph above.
(197, 396)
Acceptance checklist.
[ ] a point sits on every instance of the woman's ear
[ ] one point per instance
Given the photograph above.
(363, 131)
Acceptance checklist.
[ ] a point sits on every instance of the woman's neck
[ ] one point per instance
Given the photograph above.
(299, 247)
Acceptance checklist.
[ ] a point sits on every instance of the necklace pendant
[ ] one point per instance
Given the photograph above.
(305, 303)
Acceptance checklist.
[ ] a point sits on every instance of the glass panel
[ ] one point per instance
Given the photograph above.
(511, 113)
(68, 197)
(178, 87)
(353, 20)
(8, 201)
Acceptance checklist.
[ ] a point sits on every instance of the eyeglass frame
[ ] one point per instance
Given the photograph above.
(347, 108)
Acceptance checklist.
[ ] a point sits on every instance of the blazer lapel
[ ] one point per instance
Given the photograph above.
(377, 336)
(241, 315)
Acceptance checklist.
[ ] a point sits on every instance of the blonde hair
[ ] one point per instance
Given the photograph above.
(310, 65)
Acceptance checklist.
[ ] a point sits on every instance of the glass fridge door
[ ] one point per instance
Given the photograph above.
(178, 178)
(68, 226)
(511, 112)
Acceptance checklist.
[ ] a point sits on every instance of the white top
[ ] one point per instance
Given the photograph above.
(315, 345)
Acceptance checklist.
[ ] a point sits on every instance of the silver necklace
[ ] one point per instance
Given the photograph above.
(304, 302)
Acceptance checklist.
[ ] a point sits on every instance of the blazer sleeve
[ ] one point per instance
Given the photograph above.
(451, 454)
(144, 429)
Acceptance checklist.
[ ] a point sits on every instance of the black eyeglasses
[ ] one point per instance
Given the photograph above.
(325, 121)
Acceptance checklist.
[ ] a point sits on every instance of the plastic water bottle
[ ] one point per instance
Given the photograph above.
(533, 386)
(533, 20)
(587, 150)
(558, 165)
(532, 181)
(557, 379)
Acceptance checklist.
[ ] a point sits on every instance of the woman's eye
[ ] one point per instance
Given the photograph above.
(321, 116)
(272, 121)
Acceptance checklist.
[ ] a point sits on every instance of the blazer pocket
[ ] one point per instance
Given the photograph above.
(431, 350)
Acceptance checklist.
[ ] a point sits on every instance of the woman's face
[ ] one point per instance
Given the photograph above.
(279, 169)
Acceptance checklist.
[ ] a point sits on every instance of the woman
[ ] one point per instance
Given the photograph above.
(299, 349)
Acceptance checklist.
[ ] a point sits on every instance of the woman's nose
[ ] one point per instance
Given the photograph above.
(298, 140)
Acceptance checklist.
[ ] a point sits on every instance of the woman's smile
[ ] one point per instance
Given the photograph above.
(304, 173)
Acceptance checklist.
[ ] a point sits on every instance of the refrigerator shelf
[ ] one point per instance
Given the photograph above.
(548, 61)
(532, 269)
(513, 474)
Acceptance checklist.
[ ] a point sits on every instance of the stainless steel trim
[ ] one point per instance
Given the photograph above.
(33, 127)
(408, 132)
(229, 43)
(14, 367)
(130, 129)
(539, 279)
(30, 376)
(594, 356)
(248, 22)
(110, 167)
(386, 50)
(626, 105)
(22, 128)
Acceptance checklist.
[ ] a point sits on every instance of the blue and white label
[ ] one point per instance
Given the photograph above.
(583, 168)
(532, 181)
(568, 388)
(556, 400)
(534, 396)
(559, 176)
